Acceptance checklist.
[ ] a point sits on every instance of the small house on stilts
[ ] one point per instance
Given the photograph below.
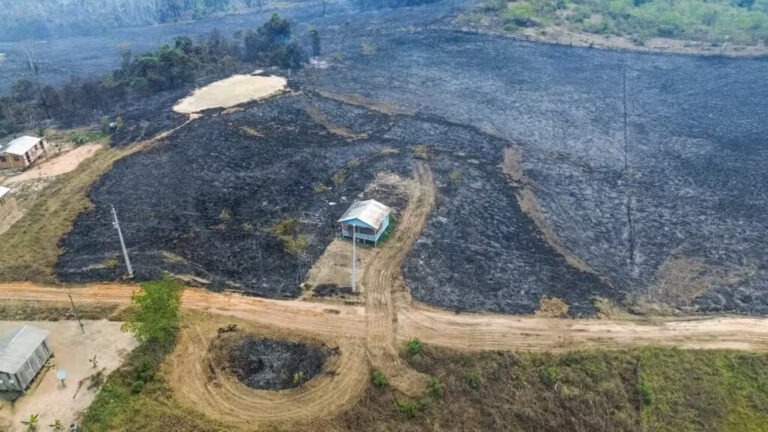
(365, 220)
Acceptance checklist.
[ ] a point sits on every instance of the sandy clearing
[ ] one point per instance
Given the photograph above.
(230, 92)
(72, 351)
(62, 164)
(334, 266)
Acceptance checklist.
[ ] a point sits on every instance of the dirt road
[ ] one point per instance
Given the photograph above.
(384, 285)
(374, 334)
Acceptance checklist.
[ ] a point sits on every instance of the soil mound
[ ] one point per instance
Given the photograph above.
(270, 364)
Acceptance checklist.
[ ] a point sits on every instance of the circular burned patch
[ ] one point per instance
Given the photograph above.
(270, 364)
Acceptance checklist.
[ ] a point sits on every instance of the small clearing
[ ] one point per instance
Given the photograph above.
(62, 164)
(334, 267)
(72, 351)
(230, 92)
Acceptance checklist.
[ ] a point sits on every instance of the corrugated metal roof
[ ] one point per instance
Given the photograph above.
(16, 345)
(370, 212)
(4, 191)
(20, 145)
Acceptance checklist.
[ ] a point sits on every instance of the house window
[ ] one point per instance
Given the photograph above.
(2, 159)
(16, 158)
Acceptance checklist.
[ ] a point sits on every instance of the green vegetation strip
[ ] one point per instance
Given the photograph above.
(714, 21)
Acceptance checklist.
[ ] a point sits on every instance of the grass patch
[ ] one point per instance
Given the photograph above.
(703, 390)
(711, 21)
(29, 249)
(648, 389)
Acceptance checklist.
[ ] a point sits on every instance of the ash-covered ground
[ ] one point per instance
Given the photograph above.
(648, 173)
(270, 364)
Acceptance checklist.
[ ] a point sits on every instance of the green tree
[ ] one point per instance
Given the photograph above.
(155, 316)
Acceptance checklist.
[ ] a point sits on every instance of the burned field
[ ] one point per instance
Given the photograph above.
(268, 364)
(647, 169)
(644, 183)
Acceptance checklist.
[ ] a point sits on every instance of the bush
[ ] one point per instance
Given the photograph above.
(474, 380)
(645, 392)
(436, 387)
(413, 347)
(379, 379)
(407, 408)
(156, 317)
(520, 14)
(320, 188)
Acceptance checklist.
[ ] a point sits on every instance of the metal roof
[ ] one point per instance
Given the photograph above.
(17, 345)
(369, 212)
(20, 146)
(4, 191)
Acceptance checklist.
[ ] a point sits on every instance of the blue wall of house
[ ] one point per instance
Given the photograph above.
(361, 236)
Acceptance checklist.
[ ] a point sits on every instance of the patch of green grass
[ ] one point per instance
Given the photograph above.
(703, 390)
(711, 21)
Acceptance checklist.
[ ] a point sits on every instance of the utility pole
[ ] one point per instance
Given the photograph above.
(354, 258)
(116, 224)
(77, 314)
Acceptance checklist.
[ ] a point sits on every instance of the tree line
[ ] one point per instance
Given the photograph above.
(173, 66)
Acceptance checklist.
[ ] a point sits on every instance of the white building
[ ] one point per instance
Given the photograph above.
(367, 220)
(22, 152)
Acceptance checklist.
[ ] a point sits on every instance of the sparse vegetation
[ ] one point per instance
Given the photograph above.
(368, 48)
(420, 151)
(414, 347)
(436, 388)
(320, 188)
(287, 232)
(379, 379)
(595, 390)
(474, 380)
(406, 408)
(716, 22)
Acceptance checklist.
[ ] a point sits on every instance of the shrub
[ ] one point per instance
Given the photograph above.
(413, 347)
(407, 408)
(156, 317)
(436, 387)
(474, 380)
(379, 379)
(368, 48)
(320, 188)
(420, 151)
(646, 394)
(549, 375)
(520, 14)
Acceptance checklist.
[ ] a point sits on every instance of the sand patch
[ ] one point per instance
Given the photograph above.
(72, 351)
(62, 164)
(230, 92)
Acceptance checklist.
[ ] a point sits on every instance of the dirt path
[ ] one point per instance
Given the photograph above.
(466, 331)
(385, 288)
(58, 165)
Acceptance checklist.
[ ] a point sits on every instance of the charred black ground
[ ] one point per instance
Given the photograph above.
(270, 364)
(646, 167)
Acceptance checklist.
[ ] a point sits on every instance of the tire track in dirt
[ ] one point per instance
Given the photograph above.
(386, 290)
(199, 382)
(465, 331)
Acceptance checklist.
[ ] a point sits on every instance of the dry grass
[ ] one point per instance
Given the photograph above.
(680, 280)
(322, 119)
(388, 108)
(29, 249)
(43, 311)
(552, 307)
